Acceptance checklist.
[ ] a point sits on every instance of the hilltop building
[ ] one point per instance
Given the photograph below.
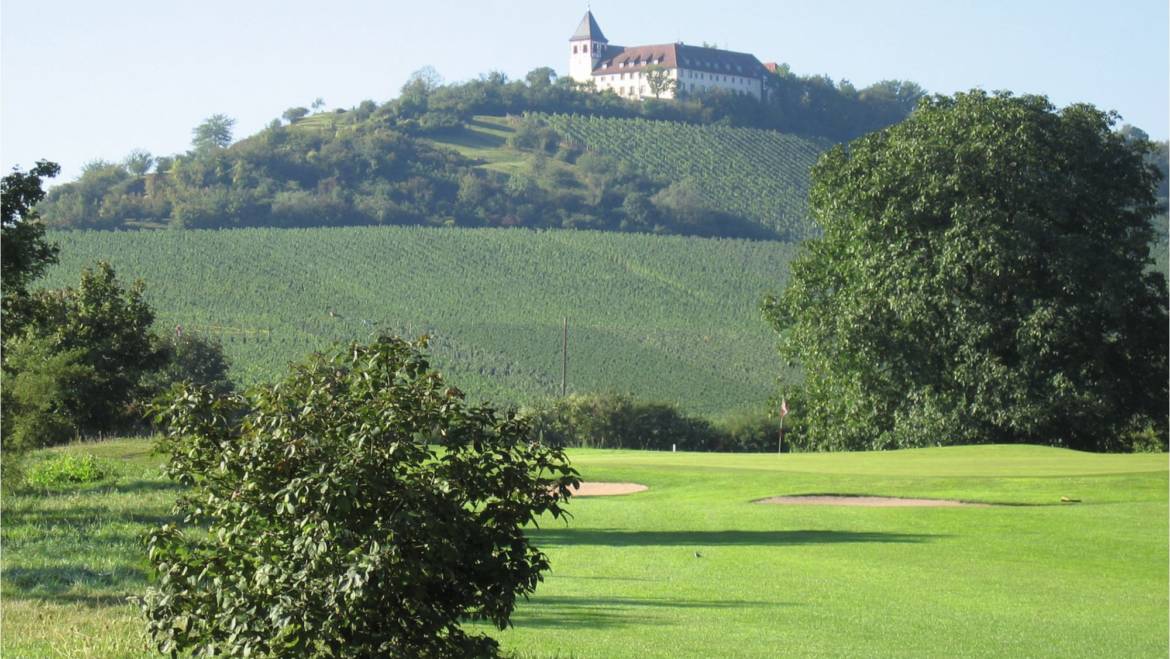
(689, 69)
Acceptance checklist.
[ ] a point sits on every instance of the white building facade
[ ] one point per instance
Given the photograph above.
(629, 71)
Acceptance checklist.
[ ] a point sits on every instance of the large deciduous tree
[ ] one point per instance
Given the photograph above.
(24, 252)
(214, 133)
(359, 508)
(105, 329)
(983, 277)
(24, 255)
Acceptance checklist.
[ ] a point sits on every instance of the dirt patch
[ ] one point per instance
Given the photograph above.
(592, 489)
(857, 500)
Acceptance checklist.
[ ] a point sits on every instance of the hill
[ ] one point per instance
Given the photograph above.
(380, 164)
(665, 318)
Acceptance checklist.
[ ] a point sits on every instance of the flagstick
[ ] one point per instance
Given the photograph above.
(780, 441)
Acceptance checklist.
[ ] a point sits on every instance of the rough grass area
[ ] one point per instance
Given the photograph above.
(484, 140)
(692, 568)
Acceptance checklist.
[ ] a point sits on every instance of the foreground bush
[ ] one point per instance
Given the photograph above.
(358, 508)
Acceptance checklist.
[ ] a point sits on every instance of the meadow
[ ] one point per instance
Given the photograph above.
(667, 318)
(692, 567)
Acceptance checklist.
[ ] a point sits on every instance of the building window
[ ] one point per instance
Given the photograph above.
(574, 50)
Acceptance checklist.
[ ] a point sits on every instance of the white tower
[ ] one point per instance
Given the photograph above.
(586, 48)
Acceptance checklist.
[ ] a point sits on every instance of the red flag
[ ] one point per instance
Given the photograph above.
(783, 408)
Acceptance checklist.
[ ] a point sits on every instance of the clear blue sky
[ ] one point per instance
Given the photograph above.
(83, 80)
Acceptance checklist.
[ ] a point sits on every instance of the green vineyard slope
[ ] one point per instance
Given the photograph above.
(665, 318)
(758, 174)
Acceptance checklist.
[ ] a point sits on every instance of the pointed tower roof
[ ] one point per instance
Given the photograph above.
(588, 30)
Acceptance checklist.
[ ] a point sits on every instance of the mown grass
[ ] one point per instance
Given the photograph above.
(484, 140)
(693, 568)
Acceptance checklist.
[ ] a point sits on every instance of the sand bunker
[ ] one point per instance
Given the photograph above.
(857, 500)
(590, 489)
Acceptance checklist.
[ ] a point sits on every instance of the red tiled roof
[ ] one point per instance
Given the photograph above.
(616, 59)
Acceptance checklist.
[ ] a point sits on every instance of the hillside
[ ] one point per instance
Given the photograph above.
(666, 318)
(380, 164)
(761, 175)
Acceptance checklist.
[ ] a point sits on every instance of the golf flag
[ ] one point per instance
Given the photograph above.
(783, 408)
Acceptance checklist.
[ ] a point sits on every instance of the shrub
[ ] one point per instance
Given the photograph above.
(1147, 440)
(358, 508)
(618, 421)
(65, 469)
(756, 433)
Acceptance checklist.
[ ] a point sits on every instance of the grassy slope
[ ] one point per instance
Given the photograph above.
(1088, 579)
(668, 318)
(484, 140)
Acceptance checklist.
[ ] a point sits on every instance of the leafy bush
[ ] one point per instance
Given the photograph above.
(192, 358)
(1147, 440)
(756, 433)
(619, 421)
(359, 508)
(66, 469)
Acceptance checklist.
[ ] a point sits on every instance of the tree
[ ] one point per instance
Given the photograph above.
(358, 508)
(540, 78)
(25, 252)
(214, 133)
(982, 277)
(659, 80)
(24, 255)
(318, 103)
(293, 115)
(139, 162)
(107, 326)
(190, 358)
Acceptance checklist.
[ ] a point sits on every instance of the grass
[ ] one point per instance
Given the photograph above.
(484, 140)
(1031, 578)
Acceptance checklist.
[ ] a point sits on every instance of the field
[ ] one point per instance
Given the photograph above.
(693, 568)
(762, 175)
(666, 318)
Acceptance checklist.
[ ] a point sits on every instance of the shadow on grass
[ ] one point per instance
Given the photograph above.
(596, 612)
(74, 584)
(628, 538)
(84, 518)
(132, 487)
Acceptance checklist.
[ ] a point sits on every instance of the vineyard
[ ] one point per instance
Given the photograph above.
(665, 318)
(762, 175)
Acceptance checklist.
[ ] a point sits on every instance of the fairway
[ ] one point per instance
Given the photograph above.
(691, 567)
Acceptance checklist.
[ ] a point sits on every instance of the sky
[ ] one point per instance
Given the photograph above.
(83, 80)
